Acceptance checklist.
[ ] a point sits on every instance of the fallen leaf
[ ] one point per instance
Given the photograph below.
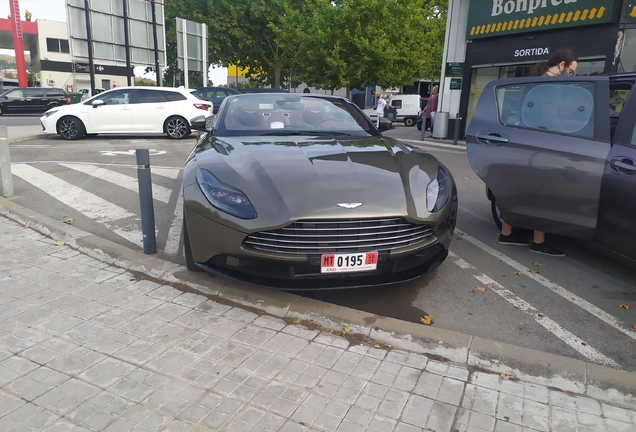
(290, 320)
(377, 346)
(537, 264)
(69, 221)
(623, 306)
(62, 154)
(634, 327)
(465, 178)
(504, 376)
(533, 271)
(388, 346)
(28, 225)
(345, 329)
(59, 243)
(480, 288)
(518, 273)
(426, 319)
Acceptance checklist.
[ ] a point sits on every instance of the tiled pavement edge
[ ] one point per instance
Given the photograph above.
(88, 344)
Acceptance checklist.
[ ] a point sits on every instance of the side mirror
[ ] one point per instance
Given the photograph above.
(97, 103)
(198, 123)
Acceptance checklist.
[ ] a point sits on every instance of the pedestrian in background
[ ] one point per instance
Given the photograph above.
(431, 108)
(379, 110)
(561, 62)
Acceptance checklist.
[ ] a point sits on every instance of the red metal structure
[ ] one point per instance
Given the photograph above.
(18, 44)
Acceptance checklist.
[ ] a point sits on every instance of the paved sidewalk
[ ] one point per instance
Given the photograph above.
(86, 345)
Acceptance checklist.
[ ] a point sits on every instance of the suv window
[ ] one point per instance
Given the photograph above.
(397, 103)
(15, 94)
(54, 93)
(174, 96)
(559, 107)
(34, 92)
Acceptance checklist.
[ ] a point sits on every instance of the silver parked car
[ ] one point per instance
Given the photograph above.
(559, 155)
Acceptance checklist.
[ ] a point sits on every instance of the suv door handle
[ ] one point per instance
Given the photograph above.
(491, 138)
(624, 165)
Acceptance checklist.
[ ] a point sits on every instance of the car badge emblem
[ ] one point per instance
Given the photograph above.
(349, 205)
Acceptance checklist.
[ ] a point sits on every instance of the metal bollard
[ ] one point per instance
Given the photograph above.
(5, 163)
(145, 201)
(458, 120)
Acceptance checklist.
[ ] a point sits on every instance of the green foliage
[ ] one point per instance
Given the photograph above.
(328, 44)
(145, 82)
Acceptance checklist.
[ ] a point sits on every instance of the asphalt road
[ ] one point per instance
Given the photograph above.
(566, 306)
(20, 120)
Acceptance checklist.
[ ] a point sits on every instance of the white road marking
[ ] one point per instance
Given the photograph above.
(174, 234)
(128, 182)
(569, 296)
(171, 173)
(152, 152)
(569, 338)
(90, 205)
(460, 262)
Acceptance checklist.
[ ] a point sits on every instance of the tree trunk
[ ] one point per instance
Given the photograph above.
(277, 71)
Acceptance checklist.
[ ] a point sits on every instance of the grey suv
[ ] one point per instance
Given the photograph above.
(558, 154)
(31, 100)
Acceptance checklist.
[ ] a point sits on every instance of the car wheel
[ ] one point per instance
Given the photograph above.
(496, 214)
(177, 127)
(70, 128)
(409, 121)
(187, 251)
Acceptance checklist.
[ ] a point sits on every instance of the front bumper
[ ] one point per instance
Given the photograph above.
(220, 250)
(49, 124)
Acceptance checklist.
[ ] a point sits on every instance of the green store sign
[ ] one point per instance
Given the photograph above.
(631, 12)
(487, 18)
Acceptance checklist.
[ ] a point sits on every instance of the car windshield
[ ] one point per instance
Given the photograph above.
(269, 114)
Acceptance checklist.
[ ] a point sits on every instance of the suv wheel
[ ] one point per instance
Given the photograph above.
(177, 127)
(70, 128)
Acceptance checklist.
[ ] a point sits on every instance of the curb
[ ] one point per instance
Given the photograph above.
(529, 365)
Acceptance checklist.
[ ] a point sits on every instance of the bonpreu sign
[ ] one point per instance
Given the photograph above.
(487, 18)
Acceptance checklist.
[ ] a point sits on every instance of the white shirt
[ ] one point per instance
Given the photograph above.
(380, 108)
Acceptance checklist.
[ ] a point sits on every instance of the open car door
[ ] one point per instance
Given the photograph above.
(540, 145)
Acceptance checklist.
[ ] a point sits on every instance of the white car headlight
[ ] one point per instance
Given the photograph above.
(437, 192)
(49, 113)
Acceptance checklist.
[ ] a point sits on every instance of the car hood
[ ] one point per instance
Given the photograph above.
(310, 177)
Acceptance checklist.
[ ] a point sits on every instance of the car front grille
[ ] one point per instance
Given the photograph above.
(340, 236)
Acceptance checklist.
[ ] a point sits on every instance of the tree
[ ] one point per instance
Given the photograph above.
(353, 43)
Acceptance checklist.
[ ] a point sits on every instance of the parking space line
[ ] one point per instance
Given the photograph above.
(174, 233)
(566, 336)
(556, 288)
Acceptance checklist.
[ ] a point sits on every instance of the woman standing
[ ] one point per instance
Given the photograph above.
(431, 107)
(561, 62)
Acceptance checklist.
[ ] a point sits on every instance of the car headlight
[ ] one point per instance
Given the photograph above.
(225, 197)
(49, 113)
(437, 192)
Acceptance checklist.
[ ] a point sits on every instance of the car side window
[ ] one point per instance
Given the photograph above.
(397, 103)
(174, 96)
(117, 97)
(15, 94)
(551, 107)
(150, 96)
(52, 93)
(34, 92)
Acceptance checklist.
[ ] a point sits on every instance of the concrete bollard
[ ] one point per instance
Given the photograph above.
(5, 163)
(145, 201)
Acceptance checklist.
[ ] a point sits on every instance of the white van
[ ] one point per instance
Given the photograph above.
(407, 108)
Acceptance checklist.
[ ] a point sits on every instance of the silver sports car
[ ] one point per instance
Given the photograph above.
(303, 192)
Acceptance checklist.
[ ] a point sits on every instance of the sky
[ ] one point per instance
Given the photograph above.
(55, 10)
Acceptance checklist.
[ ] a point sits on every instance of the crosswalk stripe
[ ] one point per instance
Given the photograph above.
(171, 173)
(90, 205)
(174, 234)
(128, 182)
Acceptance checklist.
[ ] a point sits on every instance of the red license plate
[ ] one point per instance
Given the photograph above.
(354, 262)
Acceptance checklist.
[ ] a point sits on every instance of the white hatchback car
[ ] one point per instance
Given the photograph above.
(129, 110)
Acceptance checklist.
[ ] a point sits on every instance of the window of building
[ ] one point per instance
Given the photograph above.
(57, 45)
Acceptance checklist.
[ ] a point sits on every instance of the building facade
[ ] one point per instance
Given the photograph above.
(492, 39)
